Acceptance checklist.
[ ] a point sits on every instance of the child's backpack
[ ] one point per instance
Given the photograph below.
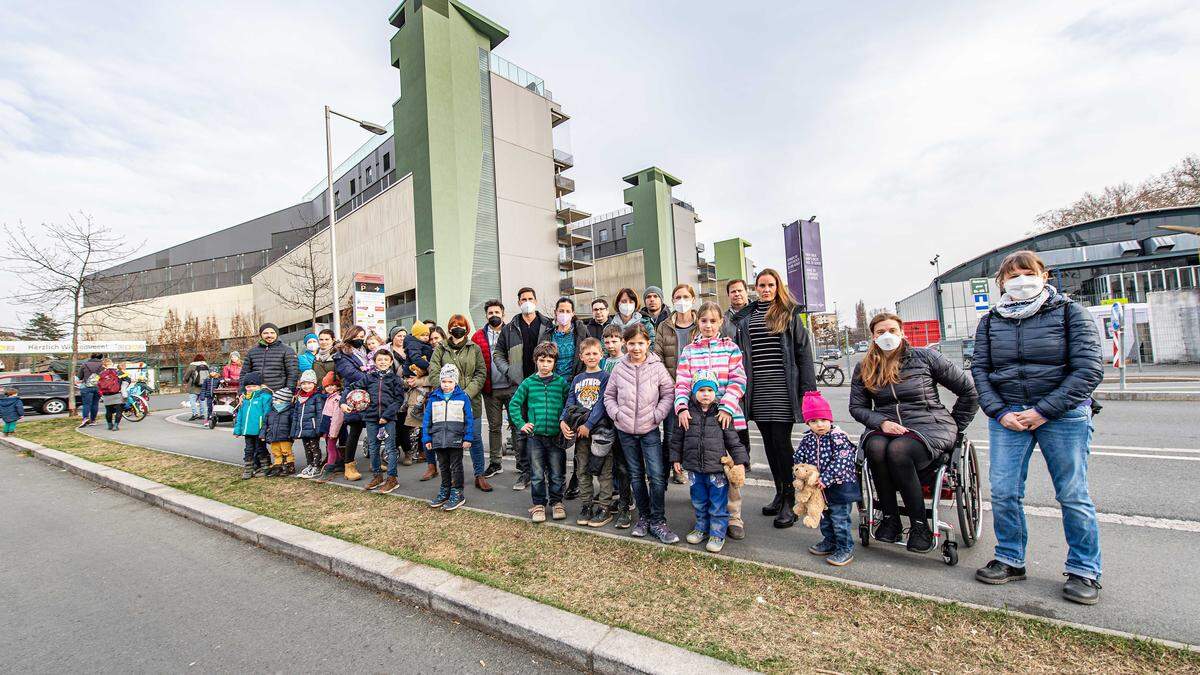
(199, 375)
(109, 382)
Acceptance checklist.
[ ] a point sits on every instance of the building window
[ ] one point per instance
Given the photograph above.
(370, 170)
(353, 188)
(337, 201)
(387, 162)
(604, 235)
(624, 232)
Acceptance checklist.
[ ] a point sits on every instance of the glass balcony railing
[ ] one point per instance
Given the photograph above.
(516, 74)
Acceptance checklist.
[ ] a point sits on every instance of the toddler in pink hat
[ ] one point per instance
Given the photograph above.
(828, 448)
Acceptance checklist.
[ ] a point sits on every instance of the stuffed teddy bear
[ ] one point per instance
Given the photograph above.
(810, 499)
(736, 473)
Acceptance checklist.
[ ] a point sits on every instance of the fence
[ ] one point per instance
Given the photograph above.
(1175, 325)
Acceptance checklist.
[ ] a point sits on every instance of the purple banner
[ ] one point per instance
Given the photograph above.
(805, 268)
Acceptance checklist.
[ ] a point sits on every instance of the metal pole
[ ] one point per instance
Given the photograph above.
(333, 276)
(1121, 351)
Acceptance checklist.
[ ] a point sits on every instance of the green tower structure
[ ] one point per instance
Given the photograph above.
(443, 136)
(730, 257)
(653, 228)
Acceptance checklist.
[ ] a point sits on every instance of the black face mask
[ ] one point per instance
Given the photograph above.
(458, 332)
(495, 321)
(356, 343)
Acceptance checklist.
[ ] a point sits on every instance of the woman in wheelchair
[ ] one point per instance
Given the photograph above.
(894, 394)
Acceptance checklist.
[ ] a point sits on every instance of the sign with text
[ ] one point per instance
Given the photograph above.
(979, 289)
(64, 347)
(370, 307)
(805, 264)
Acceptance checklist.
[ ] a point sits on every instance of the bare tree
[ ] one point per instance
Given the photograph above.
(860, 321)
(242, 332)
(306, 279)
(60, 265)
(209, 341)
(176, 339)
(1177, 186)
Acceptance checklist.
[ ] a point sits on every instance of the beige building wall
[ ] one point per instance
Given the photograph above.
(685, 246)
(524, 146)
(144, 321)
(625, 270)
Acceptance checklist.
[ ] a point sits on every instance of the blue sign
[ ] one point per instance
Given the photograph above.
(1117, 313)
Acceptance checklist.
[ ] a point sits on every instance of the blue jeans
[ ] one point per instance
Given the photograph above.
(545, 457)
(1065, 447)
(644, 459)
(91, 402)
(198, 404)
(371, 430)
(710, 499)
(836, 528)
(477, 447)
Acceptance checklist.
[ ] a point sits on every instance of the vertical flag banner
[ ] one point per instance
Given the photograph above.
(805, 264)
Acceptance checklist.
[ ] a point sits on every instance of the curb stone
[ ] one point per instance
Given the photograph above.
(586, 644)
(1142, 395)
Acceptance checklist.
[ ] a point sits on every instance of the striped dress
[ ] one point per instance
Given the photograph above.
(771, 401)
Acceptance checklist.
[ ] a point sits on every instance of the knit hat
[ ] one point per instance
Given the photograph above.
(703, 379)
(308, 376)
(655, 290)
(266, 326)
(254, 378)
(283, 395)
(815, 407)
(393, 331)
(449, 372)
(458, 320)
(418, 329)
(310, 336)
(330, 378)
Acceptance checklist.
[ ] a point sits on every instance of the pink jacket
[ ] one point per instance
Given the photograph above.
(638, 397)
(721, 357)
(333, 408)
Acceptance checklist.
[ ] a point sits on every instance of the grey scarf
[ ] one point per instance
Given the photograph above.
(1010, 308)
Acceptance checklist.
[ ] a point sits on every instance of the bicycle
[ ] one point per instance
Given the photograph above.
(831, 375)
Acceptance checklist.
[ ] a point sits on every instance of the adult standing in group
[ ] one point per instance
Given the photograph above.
(231, 373)
(894, 394)
(113, 387)
(461, 351)
(1037, 361)
(323, 363)
(193, 379)
(350, 363)
(513, 354)
(779, 369)
(87, 375)
(628, 314)
(674, 334)
(272, 359)
(739, 300)
(599, 319)
(497, 389)
(655, 309)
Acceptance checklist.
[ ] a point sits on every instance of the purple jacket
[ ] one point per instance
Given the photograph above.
(638, 397)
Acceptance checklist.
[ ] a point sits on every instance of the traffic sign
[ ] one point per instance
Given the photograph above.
(979, 292)
(1118, 311)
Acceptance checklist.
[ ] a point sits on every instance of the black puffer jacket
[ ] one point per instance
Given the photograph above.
(702, 445)
(797, 358)
(1050, 361)
(276, 362)
(913, 402)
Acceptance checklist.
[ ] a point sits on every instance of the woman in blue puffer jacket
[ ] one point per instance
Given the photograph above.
(350, 364)
(1037, 361)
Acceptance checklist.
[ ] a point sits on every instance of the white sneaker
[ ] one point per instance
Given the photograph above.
(306, 472)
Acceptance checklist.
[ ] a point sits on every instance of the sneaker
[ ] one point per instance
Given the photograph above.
(715, 544)
(388, 485)
(840, 558)
(82, 424)
(823, 547)
(736, 532)
(442, 495)
(695, 536)
(640, 529)
(600, 517)
(538, 514)
(920, 538)
(522, 482)
(376, 481)
(889, 530)
(456, 500)
(996, 572)
(327, 474)
(625, 521)
(1081, 589)
(585, 515)
(558, 511)
(309, 471)
(664, 533)
(493, 469)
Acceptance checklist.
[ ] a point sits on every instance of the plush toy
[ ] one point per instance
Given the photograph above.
(735, 473)
(810, 499)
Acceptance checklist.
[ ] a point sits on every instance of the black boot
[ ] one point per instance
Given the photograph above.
(247, 470)
(773, 508)
(572, 491)
(786, 517)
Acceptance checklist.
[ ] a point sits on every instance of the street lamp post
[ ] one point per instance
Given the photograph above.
(329, 205)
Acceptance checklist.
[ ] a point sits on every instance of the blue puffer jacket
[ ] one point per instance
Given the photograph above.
(449, 421)
(277, 426)
(306, 416)
(11, 408)
(349, 369)
(387, 395)
(252, 412)
(1050, 361)
(417, 353)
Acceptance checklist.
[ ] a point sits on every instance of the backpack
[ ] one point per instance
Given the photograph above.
(109, 383)
(199, 375)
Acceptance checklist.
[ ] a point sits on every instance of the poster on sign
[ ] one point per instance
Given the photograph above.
(979, 292)
(370, 308)
(805, 264)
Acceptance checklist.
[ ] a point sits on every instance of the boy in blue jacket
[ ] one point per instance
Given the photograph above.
(448, 429)
(277, 432)
(256, 400)
(12, 409)
(379, 419)
(306, 423)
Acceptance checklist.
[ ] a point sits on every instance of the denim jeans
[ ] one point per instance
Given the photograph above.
(371, 430)
(477, 459)
(545, 457)
(836, 528)
(644, 460)
(90, 401)
(197, 404)
(1065, 447)
(710, 499)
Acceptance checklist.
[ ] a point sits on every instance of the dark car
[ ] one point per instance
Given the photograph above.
(833, 353)
(45, 397)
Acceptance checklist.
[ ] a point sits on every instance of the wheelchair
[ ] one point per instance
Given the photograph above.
(955, 481)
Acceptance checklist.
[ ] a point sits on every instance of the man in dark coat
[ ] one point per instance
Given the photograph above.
(275, 361)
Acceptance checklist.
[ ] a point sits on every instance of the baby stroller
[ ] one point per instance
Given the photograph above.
(221, 402)
(955, 481)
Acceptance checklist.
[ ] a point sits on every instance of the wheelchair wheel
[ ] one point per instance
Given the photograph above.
(866, 508)
(967, 497)
(950, 553)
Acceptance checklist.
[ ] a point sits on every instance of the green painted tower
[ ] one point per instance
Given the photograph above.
(731, 258)
(653, 228)
(443, 136)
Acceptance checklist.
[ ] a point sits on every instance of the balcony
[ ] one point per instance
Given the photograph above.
(708, 271)
(568, 212)
(563, 160)
(572, 286)
(563, 185)
(569, 237)
(569, 263)
(557, 116)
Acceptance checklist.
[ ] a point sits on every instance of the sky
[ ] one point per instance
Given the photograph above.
(907, 133)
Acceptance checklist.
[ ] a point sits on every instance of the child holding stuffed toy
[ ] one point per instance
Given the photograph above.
(827, 447)
(702, 449)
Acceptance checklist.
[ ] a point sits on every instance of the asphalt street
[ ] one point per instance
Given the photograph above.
(95, 581)
(1146, 496)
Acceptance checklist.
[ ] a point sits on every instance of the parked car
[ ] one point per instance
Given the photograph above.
(13, 378)
(861, 347)
(830, 354)
(48, 397)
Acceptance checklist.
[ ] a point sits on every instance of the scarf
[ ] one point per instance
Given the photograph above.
(636, 318)
(323, 355)
(1011, 308)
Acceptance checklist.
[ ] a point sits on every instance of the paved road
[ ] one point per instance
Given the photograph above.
(1150, 536)
(96, 581)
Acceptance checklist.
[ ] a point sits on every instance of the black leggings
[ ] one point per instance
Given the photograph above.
(777, 439)
(404, 439)
(112, 413)
(353, 431)
(899, 463)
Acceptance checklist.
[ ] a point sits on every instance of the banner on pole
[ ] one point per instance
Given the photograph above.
(370, 308)
(64, 347)
(805, 264)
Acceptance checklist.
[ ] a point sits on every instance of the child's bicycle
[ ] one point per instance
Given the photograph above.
(137, 402)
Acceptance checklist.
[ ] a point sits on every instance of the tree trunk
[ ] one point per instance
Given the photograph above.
(71, 409)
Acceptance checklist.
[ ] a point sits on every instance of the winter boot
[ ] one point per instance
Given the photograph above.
(772, 509)
(376, 481)
(289, 469)
(352, 471)
(274, 470)
(327, 474)
(247, 470)
(786, 517)
(407, 459)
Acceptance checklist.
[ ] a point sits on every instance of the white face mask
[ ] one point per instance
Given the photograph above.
(683, 306)
(564, 318)
(888, 341)
(1024, 287)
(625, 308)
(528, 307)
